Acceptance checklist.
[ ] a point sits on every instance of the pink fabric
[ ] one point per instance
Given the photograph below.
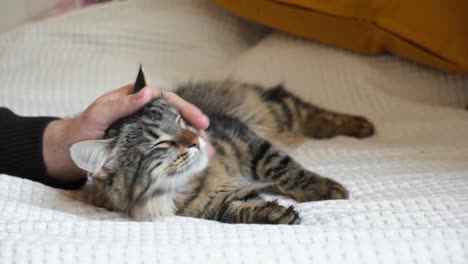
(62, 6)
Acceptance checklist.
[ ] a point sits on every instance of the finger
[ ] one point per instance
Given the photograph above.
(195, 117)
(107, 112)
(191, 113)
(116, 94)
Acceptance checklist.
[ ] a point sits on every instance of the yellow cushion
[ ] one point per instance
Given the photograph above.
(430, 32)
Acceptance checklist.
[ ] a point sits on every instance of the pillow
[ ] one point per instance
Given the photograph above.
(430, 32)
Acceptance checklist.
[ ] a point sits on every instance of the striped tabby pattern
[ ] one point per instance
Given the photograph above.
(157, 163)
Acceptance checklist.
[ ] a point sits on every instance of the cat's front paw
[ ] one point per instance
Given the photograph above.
(314, 188)
(334, 190)
(272, 213)
(279, 215)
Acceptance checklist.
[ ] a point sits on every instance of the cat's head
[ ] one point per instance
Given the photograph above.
(146, 156)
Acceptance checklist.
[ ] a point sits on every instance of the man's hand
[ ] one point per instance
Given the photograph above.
(94, 121)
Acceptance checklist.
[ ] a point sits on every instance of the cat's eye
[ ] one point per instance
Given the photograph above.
(164, 144)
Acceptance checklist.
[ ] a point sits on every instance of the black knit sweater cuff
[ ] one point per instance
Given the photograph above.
(21, 141)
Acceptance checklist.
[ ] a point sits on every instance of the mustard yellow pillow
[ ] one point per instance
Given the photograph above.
(430, 32)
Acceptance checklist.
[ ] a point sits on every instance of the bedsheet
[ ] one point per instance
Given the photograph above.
(408, 183)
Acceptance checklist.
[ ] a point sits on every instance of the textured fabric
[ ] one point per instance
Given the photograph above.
(431, 32)
(14, 13)
(408, 184)
(21, 149)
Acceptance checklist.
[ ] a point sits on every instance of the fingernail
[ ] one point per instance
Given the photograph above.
(140, 94)
(207, 120)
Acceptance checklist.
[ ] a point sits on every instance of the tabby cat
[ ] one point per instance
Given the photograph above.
(154, 163)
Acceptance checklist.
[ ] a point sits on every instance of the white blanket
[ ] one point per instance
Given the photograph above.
(408, 184)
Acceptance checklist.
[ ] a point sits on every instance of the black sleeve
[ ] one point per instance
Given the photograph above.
(21, 149)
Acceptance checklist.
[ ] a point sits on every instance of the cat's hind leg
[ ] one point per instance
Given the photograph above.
(290, 113)
(326, 124)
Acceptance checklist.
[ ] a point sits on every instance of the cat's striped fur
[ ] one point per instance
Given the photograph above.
(156, 164)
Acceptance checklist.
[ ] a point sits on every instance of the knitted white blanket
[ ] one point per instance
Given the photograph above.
(408, 184)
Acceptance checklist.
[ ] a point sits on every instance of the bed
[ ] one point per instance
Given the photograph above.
(408, 183)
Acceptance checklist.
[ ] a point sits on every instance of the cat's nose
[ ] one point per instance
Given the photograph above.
(188, 139)
(195, 143)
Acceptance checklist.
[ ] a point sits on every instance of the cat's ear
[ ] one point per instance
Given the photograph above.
(90, 155)
(140, 82)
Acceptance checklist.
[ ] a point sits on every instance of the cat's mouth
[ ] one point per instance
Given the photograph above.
(196, 160)
(183, 170)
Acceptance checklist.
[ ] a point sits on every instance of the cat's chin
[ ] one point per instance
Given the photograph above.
(163, 205)
(201, 159)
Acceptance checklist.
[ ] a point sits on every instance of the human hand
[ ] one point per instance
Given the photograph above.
(94, 121)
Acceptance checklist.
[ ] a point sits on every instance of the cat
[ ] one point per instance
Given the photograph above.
(154, 163)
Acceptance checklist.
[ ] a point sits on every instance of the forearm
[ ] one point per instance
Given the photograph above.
(22, 152)
(56, 144)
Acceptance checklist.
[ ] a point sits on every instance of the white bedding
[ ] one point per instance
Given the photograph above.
(408, 184)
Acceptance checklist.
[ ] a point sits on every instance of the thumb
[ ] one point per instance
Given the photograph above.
(113, 110)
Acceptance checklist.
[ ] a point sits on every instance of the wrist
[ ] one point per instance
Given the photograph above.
(56, 143)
